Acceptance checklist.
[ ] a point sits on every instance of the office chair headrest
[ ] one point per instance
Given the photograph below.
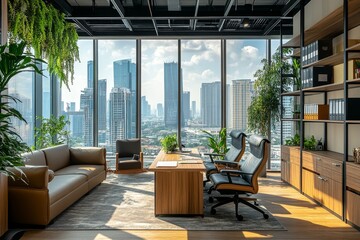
(236, 134)
(257, 144)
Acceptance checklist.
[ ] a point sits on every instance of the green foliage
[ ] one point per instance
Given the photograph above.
(45, 30)
(13, 61)
(51, 132)
(294, 141)
(265, 106)
(169, 143)
(217, 142)
(310, 143)
(296, 71)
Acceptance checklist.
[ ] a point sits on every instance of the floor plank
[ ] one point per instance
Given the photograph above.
(302, 218)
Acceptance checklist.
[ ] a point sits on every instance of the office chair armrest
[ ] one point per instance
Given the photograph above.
(227, 163)
(211, 155)
(234, 172)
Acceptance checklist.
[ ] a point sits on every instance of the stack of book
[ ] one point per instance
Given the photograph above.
(337, 109)
(316, 76)
(316, 51)
(316, 112)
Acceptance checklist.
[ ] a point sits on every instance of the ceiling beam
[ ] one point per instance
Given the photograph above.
(120, 9)
(229, 4)
(83, 25)
(153, 20)
(286, 10)
(194, 21)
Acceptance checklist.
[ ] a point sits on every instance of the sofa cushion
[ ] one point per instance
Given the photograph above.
(87, 155)
(86, 170)
(62, 185)
(57, 157)
(35, 158)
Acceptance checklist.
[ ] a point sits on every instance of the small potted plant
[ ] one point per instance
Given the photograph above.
(169, 143)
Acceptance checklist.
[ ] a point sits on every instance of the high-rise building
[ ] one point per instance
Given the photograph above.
(125, 77)
(120, 124)
(76, 119)
(241, 100)
(90, 74)
(185, 106)
(71, 107)
(171, 93)
(160, 110)
(145, 107)
(87, 106)
(193, 109)
(210, 108)
(102, 104)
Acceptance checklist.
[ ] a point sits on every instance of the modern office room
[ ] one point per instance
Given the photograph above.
(180, 119)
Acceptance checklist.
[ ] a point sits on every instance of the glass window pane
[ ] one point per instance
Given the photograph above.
(159, 93)
(117, 93)
(18, 87)
(201, 95)
(77, 104)
(46, 97)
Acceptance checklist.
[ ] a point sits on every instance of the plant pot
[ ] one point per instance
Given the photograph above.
(3, 204)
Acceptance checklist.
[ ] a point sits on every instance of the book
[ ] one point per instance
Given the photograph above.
(166, 164)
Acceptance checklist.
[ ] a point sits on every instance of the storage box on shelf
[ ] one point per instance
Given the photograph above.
(336, 108)
(316, 76)
(316, 50)
(316, 112)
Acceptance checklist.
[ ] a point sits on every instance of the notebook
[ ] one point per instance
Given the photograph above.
(166, 164)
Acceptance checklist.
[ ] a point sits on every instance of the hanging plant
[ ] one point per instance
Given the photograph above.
(45, 30)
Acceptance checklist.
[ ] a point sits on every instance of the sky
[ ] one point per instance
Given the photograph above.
(201, 62)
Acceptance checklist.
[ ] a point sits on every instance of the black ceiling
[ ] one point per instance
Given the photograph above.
(166, 18)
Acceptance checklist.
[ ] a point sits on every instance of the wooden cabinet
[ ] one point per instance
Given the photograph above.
(290, 165)
(353, 193)
(3, 204)
(322, 179)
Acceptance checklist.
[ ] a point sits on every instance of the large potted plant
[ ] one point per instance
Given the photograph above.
(217, 142)
(13, 60)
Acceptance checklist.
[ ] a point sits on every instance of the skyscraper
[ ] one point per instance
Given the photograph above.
(241, 98)
(90, 74)
(76, 119)
(185, 106)
(210, 94)
(87, 106)
(160, 110)
(125, 77)
(102, 104)
(193, 109)
(145, 107)
(171, 93)
(120, 123)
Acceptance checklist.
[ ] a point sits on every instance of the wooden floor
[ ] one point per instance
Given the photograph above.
(302, 218)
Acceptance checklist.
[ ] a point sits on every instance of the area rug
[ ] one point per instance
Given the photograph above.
(127, 202)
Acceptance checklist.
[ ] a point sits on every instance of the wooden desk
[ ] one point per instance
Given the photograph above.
(178, 190)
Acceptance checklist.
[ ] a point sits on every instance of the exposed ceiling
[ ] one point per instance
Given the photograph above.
(166, 18)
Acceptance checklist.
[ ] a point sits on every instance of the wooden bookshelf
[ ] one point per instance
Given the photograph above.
(333, 60)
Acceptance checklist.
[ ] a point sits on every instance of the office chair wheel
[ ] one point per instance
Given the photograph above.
(266, 216)
(211, 199)
(256, 203)
(239, 217)
(213, 211)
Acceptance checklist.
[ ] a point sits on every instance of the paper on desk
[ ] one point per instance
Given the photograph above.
(166, 164)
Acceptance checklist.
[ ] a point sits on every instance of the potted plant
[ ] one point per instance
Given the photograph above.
(217, 142)
(51, 132)
(169, 143)
(13, 60)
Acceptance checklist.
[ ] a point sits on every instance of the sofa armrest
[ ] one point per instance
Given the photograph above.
(35, 177)
(88, 155)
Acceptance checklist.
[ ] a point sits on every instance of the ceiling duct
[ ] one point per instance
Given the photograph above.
(174, 5)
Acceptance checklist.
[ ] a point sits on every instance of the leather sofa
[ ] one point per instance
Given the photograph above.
(56, 178)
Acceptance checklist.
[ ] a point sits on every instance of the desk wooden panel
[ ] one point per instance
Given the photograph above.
(178, 190)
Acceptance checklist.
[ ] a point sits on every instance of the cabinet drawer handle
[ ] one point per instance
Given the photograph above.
(318, 159)
(336, 164)
(319, 177)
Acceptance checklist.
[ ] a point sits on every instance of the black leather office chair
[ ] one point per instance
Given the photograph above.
(239, 183)
(128, 154)
(231, 158)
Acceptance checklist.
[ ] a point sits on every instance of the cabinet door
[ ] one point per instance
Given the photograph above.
(337, 197)
(326, 189)
(295, 175)
(353, 203)
(308, 183)
(285, 171)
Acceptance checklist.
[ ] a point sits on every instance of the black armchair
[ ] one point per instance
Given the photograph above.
(240, 183)
(128, 154)
(231, 158)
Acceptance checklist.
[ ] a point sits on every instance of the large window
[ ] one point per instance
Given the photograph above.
(19, 87)
(159, 93)
(116, 92)
(201, 95)
(46, 93)
(77, 103)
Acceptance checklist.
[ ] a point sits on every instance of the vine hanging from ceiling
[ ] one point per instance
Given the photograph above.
(45, 30)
